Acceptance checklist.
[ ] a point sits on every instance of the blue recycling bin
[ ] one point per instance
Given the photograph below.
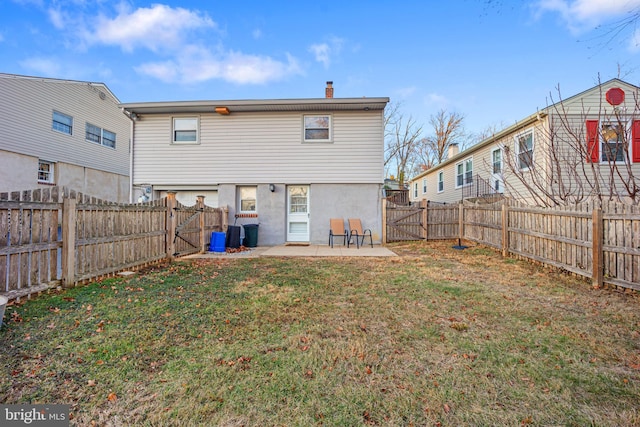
(217, 241)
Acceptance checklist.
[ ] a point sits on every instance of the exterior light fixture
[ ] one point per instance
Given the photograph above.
(272, 188)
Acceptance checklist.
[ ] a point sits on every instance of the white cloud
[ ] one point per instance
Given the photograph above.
(322, 53)
(42, 66)
(435, 99)
(257, 33)
(325, 52)
(583, 15)
(154, 28)
(185, 44)
(196, 65)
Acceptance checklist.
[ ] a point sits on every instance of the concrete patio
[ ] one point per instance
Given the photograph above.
(303, 251)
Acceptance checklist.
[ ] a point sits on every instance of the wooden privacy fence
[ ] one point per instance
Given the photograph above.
(56, 235)
(602, 243)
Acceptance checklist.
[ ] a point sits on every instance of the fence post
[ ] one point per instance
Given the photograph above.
(69, 216)
(425, 218)
(384, 221)
(597, 277)
(203, 237)
(225, 218)
(171, 224)
(505, 230)
(461, 220)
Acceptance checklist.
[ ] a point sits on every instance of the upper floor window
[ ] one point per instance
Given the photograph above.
(440, 182)
(613, 149)
(524, 150)
(100, 136)
(247, 199)
(496, 159)
(424, 185)
(62, 123)
(45, 172)
(464, 173)
(185, 130)
(317, 128)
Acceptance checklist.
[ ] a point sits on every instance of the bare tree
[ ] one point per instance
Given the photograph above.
(402, 135)
(577, 161)
(447, 129)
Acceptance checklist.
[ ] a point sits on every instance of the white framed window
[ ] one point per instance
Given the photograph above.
(496, 161)
(46, 172)
(317, 128)
(464, 172)
(424, 185)
(440, 182)
(612, 142)
(524, 150)
(185, 130)
(100, 136)
(415, 190)
(247, 199)
(62, 123)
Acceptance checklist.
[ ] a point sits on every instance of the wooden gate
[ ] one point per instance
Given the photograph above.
(187, 235)
(405, 222)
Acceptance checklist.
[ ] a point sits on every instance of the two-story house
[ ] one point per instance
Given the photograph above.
(576, 149)
(63, 132)
(287, 164)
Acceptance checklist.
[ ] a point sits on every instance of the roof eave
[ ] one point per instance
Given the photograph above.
(305, 104)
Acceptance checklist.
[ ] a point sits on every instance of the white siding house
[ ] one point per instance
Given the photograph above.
(557, 155)
(288, 164)
(63, 132)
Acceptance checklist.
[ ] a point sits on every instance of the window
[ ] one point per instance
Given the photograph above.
(415, 190)
(185, 130)
(496, 158)
(524, 148)
(424, 185)
(247, 199)
(62, 123)
(612, 142)
(100, 136)
(317, 128)
(464, 173)
(45, 172)
(440, 182)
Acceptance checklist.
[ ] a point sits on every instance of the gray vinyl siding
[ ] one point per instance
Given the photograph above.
(26, 110)
(254, 148)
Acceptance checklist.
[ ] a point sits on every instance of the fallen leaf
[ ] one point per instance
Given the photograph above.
(446, 408)
(112, 397)
(91, 383)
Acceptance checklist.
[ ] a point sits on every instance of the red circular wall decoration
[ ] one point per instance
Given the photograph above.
(615, 96)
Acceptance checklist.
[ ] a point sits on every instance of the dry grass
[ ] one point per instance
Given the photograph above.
(434, 337)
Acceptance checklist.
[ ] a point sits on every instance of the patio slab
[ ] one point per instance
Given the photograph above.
(303, 251)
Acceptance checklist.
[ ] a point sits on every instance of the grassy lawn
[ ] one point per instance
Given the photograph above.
(434, 337)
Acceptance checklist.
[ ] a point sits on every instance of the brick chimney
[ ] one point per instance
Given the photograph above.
(328, 92)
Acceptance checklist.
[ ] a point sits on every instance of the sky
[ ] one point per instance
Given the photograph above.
(494, 62)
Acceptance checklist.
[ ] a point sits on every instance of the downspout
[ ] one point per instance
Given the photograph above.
(131, 141)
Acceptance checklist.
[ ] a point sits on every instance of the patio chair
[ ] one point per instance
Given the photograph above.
(337, 229)
(355, 225)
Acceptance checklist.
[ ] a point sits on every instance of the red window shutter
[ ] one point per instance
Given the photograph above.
(635, 140)
(593, 153)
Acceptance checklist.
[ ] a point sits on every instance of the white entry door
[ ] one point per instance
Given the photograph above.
(298, 213)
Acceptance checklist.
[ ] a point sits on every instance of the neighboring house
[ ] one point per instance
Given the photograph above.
(565, 153)
(65, 133)
(288, 164)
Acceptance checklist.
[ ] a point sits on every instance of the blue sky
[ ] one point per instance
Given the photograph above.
(492, 61)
